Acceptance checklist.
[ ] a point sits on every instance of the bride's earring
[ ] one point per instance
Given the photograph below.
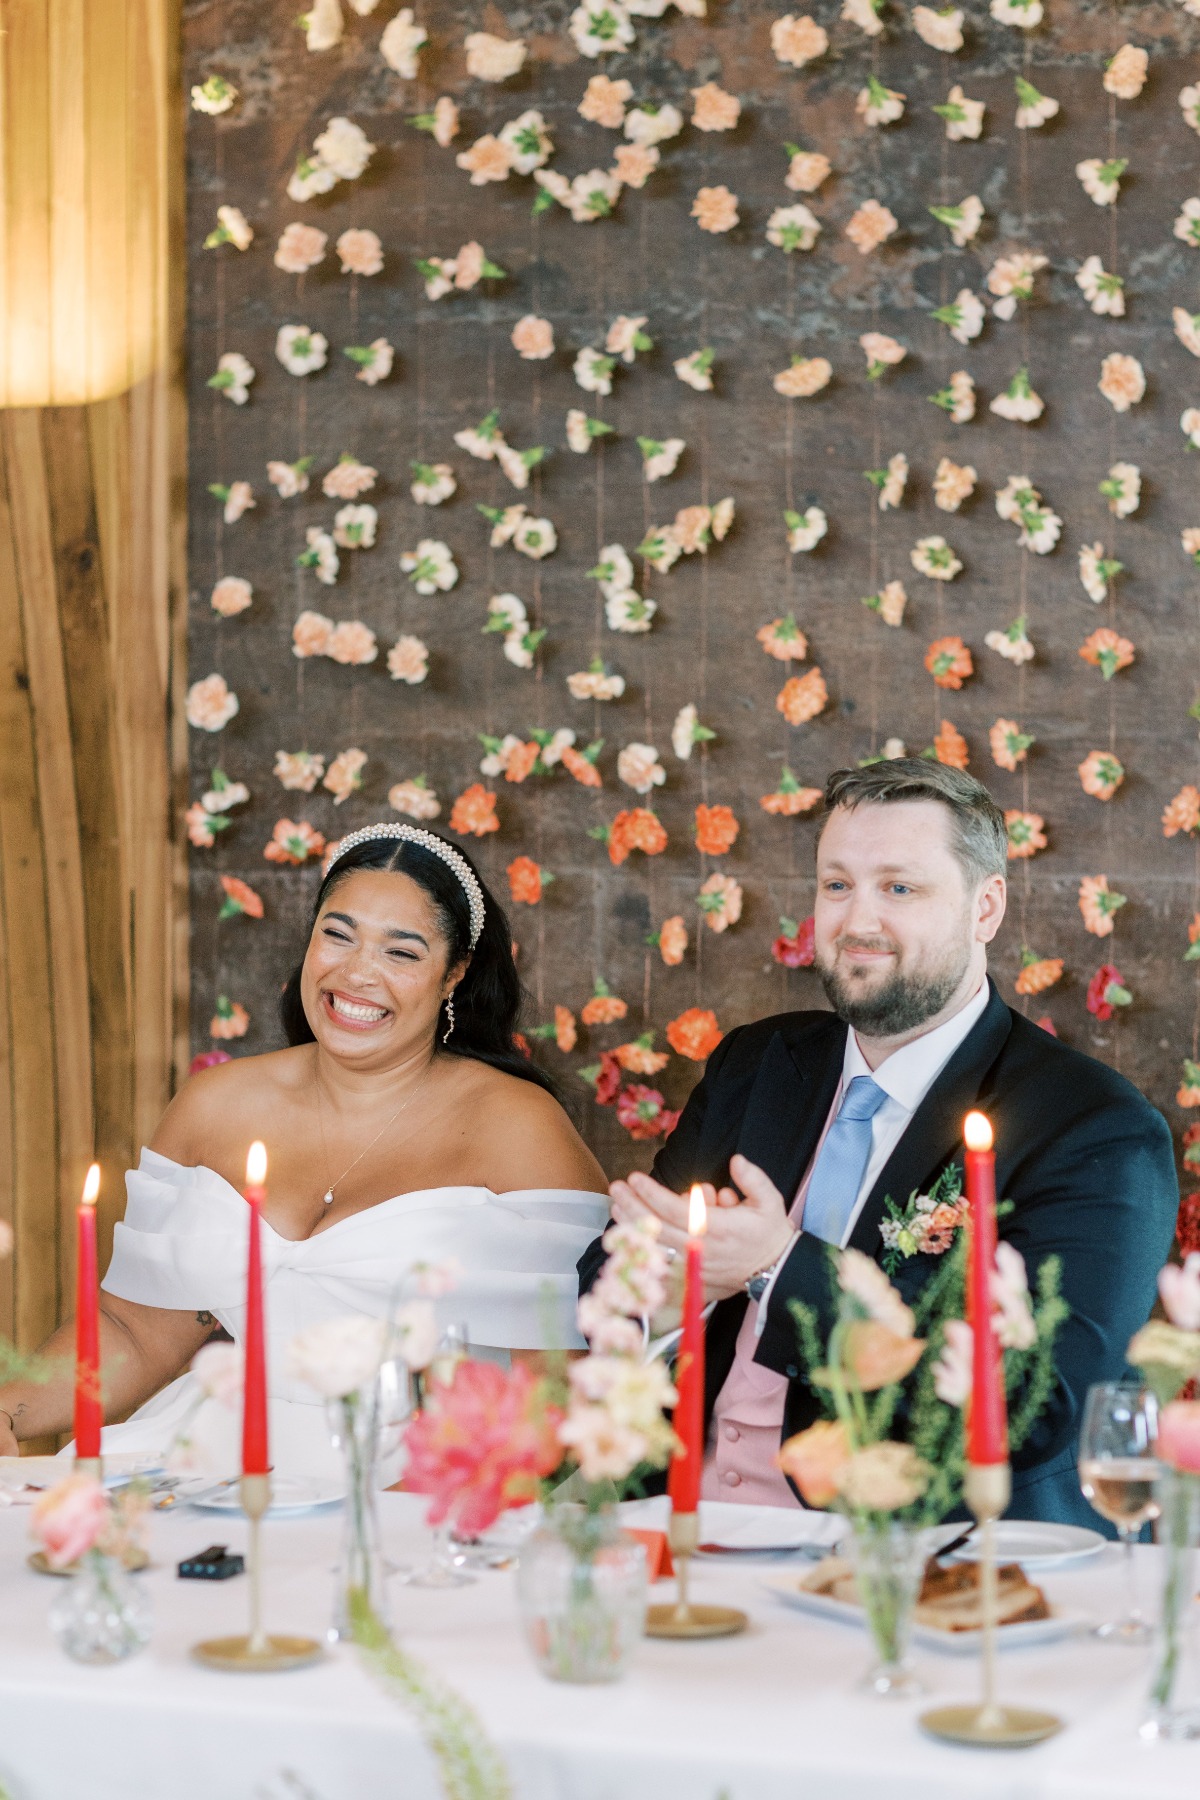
(449, 1017)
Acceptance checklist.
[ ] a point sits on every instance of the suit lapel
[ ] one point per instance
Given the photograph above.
(935, 1129)
(792, 1093)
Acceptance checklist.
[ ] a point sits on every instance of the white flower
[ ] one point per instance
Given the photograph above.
(496, 761)
(1013, 645)
(1101, 180)
(516, 464)
(963, 221)
(323, 25)
(506, 613)
(553, 751)
(504, 529)
(1125, 75)
(299, 771)
(408, 660)
(933, 556)
(882, 352)
(957, 398)
(879, 105)
(695, 370)
(589, 197)
(593, 371)
(1033, 109)
(583, 431)
(289, 479)
(793, 227)
(1179, 1290)
(1189, 424)
(1025, 13)
(894, 482)
(225, 795)
(600, 26)
(433, 483)
(964, 316)
(527, 142)
(1187, 225)
(863, 1280)
(535, 538)
(481, 440)
(354, 527)
(348, 478)
(344, 148)
(236, 499)
(864, 14)
(1093, 571)
(1011, 279)
(660, 458)
(1013, 1317)
(1020, 502)
(430, 567)
(952, 484)
(639, 768)
(214, 95)
(1187, 328)
(232, 227)
(687, 732)
(964, 118)
(300, 349)
(614, 571)
(940, 30)
(438, 273)
(320, 556)
(518, 649)
(1040, 531)
(401, 44)
(415, 1338)
(491, 58)
(649, 125)
(594, 684)
(626, 337)
(338, 1356)
(953, 1372)
(1122, 488)
(627, 611)
(1122, 381)
(1189, 100)
(1105, 293)
(233, 377)
(311, 176)
(1018, 402)
(805, 530)
(220, 1370)
(374, 360)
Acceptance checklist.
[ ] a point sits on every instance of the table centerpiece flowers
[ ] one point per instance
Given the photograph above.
(95, 1537)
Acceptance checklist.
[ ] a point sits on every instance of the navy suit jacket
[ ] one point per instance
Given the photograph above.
(1085, 1159)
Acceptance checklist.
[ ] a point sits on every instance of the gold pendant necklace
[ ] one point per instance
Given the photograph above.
(328, 1195)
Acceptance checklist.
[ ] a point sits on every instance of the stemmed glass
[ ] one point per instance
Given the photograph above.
(1118, 1472)
(444, 1567)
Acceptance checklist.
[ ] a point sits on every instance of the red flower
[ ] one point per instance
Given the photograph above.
(208, 1059)
(644, 1113)
(795, 947)
(1106, 991)
(694, 1034)
(605, 1076)
(1187, 1225)
(482, 1444)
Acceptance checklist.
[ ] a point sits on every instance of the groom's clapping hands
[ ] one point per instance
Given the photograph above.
(747, 1232)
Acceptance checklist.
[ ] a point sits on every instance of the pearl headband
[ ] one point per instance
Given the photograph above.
(428, 840)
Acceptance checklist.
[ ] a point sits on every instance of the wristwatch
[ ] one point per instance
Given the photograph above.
(758, 1284)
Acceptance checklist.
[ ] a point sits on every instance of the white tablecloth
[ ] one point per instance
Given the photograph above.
(771, 1715)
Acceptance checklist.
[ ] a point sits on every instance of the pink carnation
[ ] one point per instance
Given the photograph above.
(69, 1519)
(482, 1444)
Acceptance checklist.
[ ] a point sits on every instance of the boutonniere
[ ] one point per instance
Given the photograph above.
(927, 1225)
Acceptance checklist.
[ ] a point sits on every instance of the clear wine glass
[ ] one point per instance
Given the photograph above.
(446, 1566)
(1118, 1472)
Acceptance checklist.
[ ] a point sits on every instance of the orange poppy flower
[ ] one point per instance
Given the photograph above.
(1107, 651)
(950, 747)
(694, 1034)
(637, 829)
(1183, 812)
(1025, 834)
(716, 829)
(1101, 774)
(577, 764)
(802, 697)
(949, 662)
(293, 842)
(1038, 973)
(784, 640)
(603, 1008)
(1098, 903)
(474, 812)
(524, 880)
(565, 1035)
(1009, 744)
(520, 762)
(231, 1019)
(672, 940)
(639, 1057)
(240, 897)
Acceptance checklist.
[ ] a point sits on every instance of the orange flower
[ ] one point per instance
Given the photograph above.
(716, 829)
(694, 1034)
(1106, 651)
(715, 209)
(474, 812)
(1038, 973)
(639, 1057)
(577, 764)
(520, 761)
(1183, 812)
(603, 1008)
(783, 639)
(802, 697)
(1025, 834)
(1010, 745)
(877, 1356)
(524, 880)
(815, 1460)
(949, 662)
(950, 747)
(231, 1019)
(293, 842)
(672, 940)
(1098, 903)
(239, 898)
(789, 801)
(565, 1035)
(637, 829)
(1101, 774)
(1188, 1092)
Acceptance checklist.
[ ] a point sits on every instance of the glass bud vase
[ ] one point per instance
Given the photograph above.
(582, 1586)
(1174, 1701)
(355, 1423)
(101, 1615)
(889, 1560)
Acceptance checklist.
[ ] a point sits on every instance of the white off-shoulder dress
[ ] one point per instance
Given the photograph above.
(183, 1244)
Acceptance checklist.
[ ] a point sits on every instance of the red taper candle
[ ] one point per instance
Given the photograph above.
(987, 1420)
(89, 1414)
(255, 1457)
(683, 1482)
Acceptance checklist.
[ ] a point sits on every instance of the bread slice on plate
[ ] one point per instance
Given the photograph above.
(950, 1599)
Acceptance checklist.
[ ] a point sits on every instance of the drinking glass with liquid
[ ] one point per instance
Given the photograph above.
(1118, 1472)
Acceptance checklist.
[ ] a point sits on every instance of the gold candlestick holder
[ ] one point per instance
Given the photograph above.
(259, 1651)
(987, 1489)
(684, 1620)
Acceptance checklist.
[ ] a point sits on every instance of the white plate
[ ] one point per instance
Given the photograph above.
(43, 1471)
(758, 1531)
(1033, 1543)
(290, 1496)
(1024, 1635)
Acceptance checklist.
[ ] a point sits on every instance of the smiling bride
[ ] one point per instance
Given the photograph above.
(404, 1129)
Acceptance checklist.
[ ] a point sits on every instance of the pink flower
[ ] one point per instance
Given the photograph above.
(220, 1370)
(208, 1059)
(311, 634)
(1179, 1435)
(1179, 1289)
(349, 478)
(231, 596)
(482, 1444)
(953, 1370)
(210, 705)
(361, 252)
(300, 248)
(352, 642)
(69, 1519)
(533, 338)
(644, 1113)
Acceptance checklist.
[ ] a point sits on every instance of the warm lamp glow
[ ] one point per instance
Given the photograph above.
(697, 1212)
(91, 1186)
(256, 1164)
(977, 1131)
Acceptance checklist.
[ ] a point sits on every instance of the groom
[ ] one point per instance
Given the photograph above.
(809, 1122)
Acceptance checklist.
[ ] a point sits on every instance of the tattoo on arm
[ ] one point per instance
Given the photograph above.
(205, 1318)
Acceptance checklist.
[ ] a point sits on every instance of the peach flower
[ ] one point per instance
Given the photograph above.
(1107, 651)
(299, 770)
(1038, 974)
(783, 639)
(691, 529)
(715, 209)
(603, 1008)
(807, 169)
(797, 41)
(640, 1058)
(790, 799)
(1125, 75)
(311, 634)
(474, 812)
(806, 377)
(877, 1356)
(361, 252)
(349, 478)
(524, 880)
(716, 830)
(487, 160)
(345, 774)
(604, 102)
(1182, 813)
(950, 747)
(408, 660)
(210, 705)
(69, 1519)
(565, 1035)
(352, 643)
(231, 596)
(1026, 835)
(802, 697)
(300, 248)
(720, 900)
(294, 842)
(694, 1034)
(1122, 381)
(672, 940)
(815, 1460)
(231, 1020)
(1098, 903)
(1101, 774)
(415, 798)
(870, 226)
(635, 163)
(715, 110)
(533, 338)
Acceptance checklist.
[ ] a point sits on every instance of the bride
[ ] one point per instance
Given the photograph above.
(403, 1128)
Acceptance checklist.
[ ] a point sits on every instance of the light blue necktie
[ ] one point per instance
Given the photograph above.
(842, 1163)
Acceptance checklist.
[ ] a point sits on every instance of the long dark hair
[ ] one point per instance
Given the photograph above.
(487, 1001)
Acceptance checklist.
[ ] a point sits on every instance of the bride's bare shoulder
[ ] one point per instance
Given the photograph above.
(229, 1102)
(531, 1142)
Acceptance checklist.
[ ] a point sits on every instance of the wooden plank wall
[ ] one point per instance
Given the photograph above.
(93, 943)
